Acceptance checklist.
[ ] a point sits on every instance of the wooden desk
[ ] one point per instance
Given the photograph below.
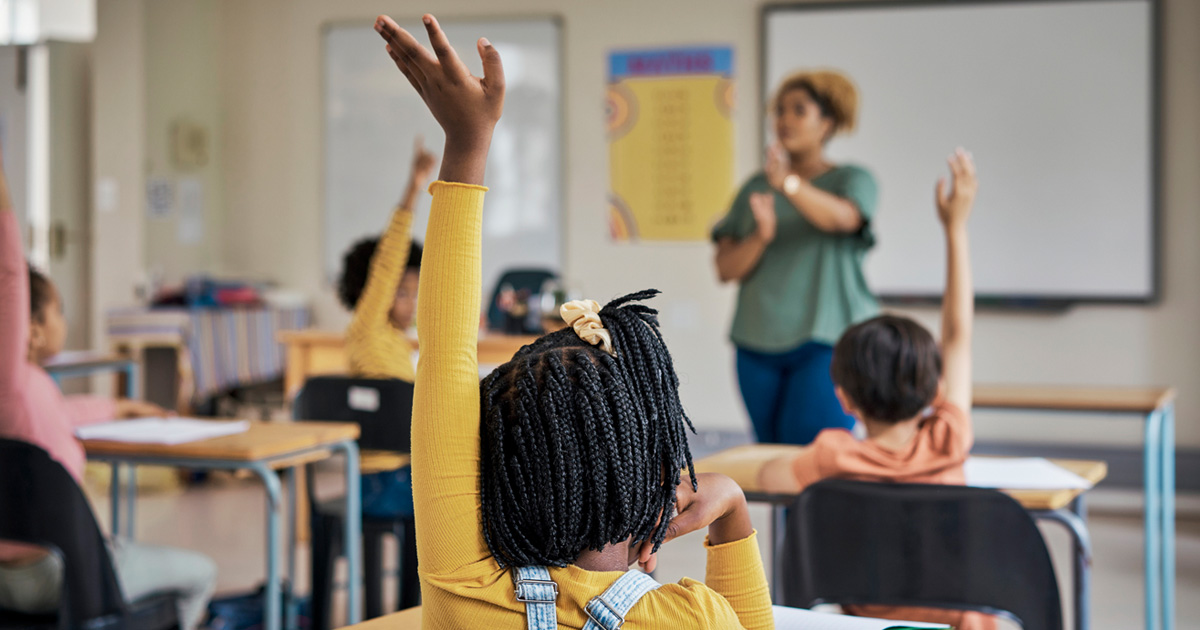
(261, 442)
(321, 352)
(407, 619)
(742, 464)
(382, 461)
(1071, 398)
(1156, 407)
(264, 448)
(75, 363)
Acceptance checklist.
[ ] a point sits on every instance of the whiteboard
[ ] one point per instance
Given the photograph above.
(1055, 99)
(372, 116)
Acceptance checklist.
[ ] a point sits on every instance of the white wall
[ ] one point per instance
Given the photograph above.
(118, 150)
(183, 84)
(271, 135)
(70, 179)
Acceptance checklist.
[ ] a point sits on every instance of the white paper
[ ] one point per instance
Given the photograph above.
(801, 619)
(363, 399)
(191, 211)
(1021, 473)
(107, 194)
(160, 197)
(161, 430)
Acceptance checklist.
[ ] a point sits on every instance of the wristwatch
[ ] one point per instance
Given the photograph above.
(791, 184)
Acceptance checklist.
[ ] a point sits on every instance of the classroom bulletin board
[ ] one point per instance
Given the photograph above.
(670, 138)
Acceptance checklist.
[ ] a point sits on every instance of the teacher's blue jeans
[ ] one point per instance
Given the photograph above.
(789, 395)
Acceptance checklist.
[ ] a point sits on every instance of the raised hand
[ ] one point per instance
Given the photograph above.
(422, 163)
(954, 202)
(762, 205)
(778, 167)
(467, 107)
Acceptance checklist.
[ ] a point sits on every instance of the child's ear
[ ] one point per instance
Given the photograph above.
(37, 338)
(847, 404)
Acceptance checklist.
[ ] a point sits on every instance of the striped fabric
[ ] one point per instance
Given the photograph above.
(227, 347)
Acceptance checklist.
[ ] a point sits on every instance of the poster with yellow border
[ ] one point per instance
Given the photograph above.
(670, 142)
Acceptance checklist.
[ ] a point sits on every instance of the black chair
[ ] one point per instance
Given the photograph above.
(383, 410)
(852, 542)
(41, 504)
(519, 279)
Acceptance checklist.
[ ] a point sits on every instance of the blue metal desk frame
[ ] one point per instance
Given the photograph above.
(1158, 487)
(131, 369)
(273, 594)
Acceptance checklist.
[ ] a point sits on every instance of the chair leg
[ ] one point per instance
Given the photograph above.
(325, 549)
(410, 582)
(373, 573)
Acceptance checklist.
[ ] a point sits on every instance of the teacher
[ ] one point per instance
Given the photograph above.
(794, 239)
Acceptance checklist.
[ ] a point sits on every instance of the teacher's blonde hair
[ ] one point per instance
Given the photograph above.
(834, 92)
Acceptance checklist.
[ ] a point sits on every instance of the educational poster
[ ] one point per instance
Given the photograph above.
(670, 139)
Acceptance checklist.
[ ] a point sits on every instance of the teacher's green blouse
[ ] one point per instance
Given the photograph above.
(809, 284)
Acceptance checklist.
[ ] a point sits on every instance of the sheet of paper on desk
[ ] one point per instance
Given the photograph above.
(161, 430)
(787, 618)
(1021, 473)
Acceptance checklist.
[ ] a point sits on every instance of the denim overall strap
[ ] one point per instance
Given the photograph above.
(607, 611)
(539, 592)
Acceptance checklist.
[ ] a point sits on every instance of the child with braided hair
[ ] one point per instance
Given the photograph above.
(536, 489)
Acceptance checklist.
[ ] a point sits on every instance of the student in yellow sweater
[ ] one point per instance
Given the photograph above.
(536, 489)
(379, 283)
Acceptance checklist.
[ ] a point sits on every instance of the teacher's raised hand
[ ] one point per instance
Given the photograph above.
(778, 166)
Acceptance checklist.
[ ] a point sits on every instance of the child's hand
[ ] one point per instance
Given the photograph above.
(954, 206)
(719, 504)
(762, 205)
(465, 106)
(422, 164)
(127, 408)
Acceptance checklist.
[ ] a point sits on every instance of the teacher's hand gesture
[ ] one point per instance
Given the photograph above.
(762, 206)
(778, 166)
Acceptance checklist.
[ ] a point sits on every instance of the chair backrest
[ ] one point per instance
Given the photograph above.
(518, 279)
(852, 542)
(41, 504)
(382, 408)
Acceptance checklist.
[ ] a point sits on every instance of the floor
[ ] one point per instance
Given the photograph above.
(225, 519)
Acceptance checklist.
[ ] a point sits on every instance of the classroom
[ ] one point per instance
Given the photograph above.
(542, 314)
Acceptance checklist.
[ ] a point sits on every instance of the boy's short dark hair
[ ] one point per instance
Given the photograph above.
(888, 366)
(356, 265)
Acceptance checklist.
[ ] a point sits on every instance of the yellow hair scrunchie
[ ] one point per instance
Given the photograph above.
(584, 317)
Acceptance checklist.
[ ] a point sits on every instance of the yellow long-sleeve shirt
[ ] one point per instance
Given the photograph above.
(374, 347)
(462, 586)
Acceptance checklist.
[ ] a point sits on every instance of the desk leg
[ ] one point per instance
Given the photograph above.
(130, 500)
(1168, 517)
(778, 533)
(114, 489)
(272, 616)
(353, 531)
(290, 612)
(1075, 522)
(131, 381)
(1152, 495)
